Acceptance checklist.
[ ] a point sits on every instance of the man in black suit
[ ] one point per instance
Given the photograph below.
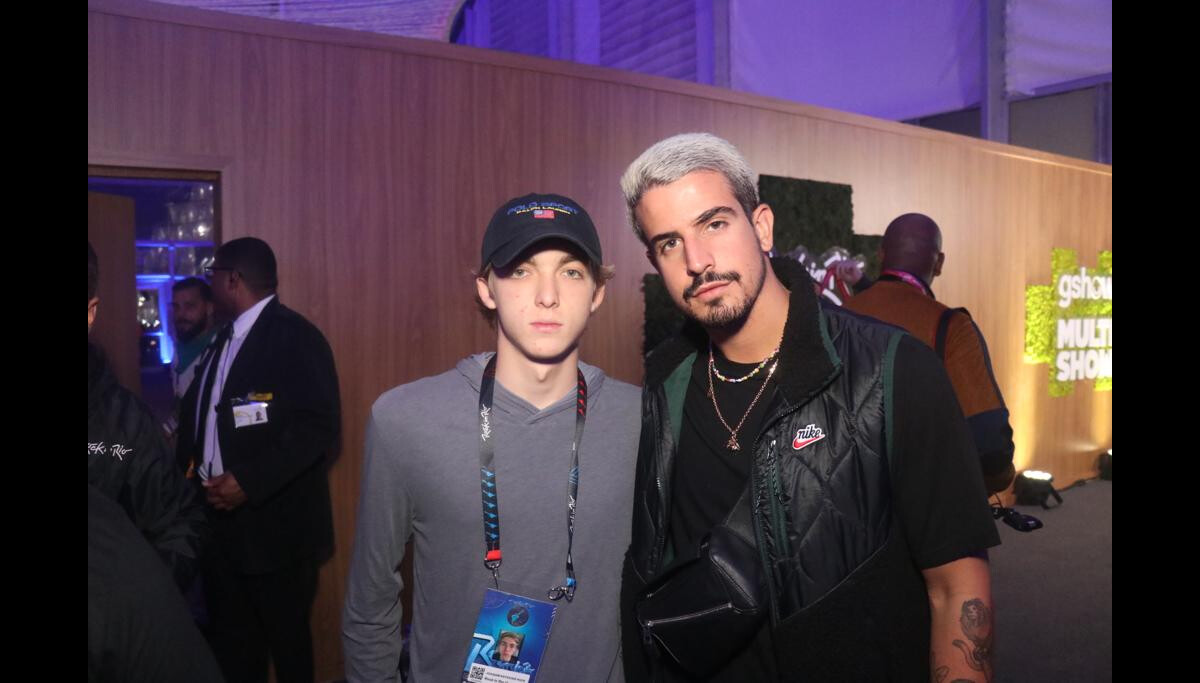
(258, 427)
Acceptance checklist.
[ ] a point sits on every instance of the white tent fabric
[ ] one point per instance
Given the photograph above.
(1056, 41)
(894, 59)
(414, 18)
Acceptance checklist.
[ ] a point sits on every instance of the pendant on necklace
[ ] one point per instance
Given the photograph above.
(732, 444)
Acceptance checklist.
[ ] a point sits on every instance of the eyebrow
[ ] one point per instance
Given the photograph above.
(708, 215)
(673, 235)
(566, 258)
(700, 220)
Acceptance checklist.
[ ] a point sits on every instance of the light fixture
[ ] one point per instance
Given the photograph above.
(1035, 487)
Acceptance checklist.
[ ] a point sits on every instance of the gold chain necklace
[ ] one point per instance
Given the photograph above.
(736, 380)
(733, 444)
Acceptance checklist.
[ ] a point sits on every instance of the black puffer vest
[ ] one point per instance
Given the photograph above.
(821, 480)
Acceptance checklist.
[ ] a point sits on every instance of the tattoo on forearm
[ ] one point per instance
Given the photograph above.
(976, 620)
(940, 673)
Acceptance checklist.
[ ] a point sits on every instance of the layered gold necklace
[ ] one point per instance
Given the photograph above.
(733, 444)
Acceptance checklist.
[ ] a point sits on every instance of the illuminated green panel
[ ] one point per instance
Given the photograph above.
(1042, 314)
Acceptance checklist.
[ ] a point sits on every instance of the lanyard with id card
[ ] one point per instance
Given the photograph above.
(512, 631)
(250, 411)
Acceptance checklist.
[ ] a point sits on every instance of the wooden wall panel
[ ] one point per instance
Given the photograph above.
(116, 330)
(372, 163)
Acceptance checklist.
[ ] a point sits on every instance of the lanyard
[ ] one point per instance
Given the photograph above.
(487, 479)
(910, 279)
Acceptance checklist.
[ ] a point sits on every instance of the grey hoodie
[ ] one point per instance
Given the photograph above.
(421, 481)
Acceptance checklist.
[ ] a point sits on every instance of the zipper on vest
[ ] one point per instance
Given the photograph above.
(651, 623)
(754, 516)
(660, 534)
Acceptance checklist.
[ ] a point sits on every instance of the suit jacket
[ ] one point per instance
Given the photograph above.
(282, 463)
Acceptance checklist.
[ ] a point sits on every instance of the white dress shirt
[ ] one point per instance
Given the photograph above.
(211, 465)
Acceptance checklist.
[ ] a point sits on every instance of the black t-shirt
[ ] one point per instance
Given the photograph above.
(937, 489)
(708, 476)
(939, 503)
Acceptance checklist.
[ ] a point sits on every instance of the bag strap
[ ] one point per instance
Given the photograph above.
(739, 520)
(943, 329)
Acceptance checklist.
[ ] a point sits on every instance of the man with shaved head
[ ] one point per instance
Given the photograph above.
(913, 243)
(912, 257)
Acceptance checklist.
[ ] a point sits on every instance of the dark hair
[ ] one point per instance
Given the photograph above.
(194, 283)
(253, 260)
(93, 272)
(600, 274)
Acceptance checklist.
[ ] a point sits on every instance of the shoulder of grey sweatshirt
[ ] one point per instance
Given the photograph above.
(421, 469)
(419, 409)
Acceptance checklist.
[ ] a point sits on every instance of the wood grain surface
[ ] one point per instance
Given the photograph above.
(372, 164)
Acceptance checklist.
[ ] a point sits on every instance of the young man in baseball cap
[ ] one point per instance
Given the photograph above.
(511, 473)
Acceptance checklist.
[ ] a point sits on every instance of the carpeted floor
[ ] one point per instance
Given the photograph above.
(1053, 592)
(1052, 589)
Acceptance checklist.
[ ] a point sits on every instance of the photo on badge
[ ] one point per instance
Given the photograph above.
(510, 639)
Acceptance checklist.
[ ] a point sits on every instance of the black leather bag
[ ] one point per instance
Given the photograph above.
(705, 611)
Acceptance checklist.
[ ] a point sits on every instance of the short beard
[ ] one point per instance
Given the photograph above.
(718, 315)
(191, 333)
(721, 317)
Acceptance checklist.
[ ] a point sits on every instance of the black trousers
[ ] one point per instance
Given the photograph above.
(255, 616)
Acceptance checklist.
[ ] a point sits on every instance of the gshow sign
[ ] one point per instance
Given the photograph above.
(1068, 324)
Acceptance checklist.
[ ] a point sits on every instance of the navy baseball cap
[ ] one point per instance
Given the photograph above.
(524, 221)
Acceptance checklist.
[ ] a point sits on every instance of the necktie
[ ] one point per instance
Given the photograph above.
(204, 399)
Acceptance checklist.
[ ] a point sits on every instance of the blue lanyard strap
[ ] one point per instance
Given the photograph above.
(487, 480)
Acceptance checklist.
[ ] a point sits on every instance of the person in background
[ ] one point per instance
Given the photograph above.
(192, 315)
(259, 426)
(138, 625)
(911, 257)
(129, 461)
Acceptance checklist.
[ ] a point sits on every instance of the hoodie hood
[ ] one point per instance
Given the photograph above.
(471, 370)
